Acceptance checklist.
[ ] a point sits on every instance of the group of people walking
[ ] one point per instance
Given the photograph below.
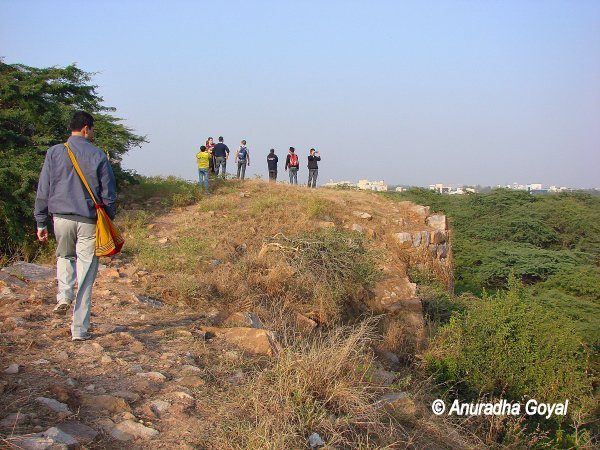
(212, 158)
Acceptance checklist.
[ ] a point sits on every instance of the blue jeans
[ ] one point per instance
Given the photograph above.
(293, 175)
(203, 175)
(220, 161)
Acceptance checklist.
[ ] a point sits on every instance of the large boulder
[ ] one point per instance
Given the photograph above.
(404, 239)
(105, 402)
(437, 222)
(396, 295)
(439, 237)
(253, 340)
(129, 430)
(30, 272)
(420, 238)
(420, 210)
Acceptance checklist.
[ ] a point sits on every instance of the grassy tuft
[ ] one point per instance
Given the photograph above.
(333, 270)
(317, 207)
(170, 191)
(319, 386)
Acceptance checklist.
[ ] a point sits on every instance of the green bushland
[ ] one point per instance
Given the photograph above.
(534, 236)
(524, 322)
(506, 345)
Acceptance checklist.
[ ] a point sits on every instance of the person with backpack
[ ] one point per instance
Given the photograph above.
(272, 161)
(313, 167)
(242, 157)
(292, 162)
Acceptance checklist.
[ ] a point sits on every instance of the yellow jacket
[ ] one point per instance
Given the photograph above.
(203, 159)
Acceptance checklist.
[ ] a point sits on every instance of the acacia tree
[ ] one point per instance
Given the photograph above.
(35, 108)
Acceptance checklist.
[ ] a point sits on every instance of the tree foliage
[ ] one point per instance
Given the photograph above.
(35, 108)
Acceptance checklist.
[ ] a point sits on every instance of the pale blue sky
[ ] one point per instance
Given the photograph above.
(412, 92)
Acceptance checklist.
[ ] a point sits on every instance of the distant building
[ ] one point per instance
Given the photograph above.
(559, 189)
(440, 188)
(451, 190)
(332, 183)
(367, 185)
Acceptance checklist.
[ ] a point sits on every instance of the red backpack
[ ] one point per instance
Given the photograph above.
(293, 160)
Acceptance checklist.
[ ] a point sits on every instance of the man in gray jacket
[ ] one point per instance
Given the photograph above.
(62, 194)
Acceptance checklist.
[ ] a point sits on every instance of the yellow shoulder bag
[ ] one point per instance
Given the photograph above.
(109, 240)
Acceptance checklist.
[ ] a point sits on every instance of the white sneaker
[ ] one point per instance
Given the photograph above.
(85, 337)
(62, 308)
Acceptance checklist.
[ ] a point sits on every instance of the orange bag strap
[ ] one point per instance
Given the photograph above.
(80, 173)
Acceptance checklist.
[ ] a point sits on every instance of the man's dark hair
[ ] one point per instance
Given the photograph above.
(292, 149)
(220, 138)
(80, 119)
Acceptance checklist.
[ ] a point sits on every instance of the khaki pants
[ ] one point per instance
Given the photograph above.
(76, 260)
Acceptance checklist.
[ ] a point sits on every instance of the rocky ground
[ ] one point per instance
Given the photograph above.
(152, 374)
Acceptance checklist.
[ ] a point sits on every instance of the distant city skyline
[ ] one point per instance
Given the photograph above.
(382, 185)
(513, 184)
(411, 92)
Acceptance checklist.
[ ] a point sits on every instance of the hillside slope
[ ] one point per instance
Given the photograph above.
(202, 325)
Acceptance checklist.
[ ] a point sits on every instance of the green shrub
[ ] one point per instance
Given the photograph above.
(527, 262)
(261, 205)
(170, 191)
(582, 281)
(334, 269)
(317, 207)
(511, 346)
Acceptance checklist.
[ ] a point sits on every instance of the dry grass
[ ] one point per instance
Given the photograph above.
(318, 386)
(321, 381)
(212, 253)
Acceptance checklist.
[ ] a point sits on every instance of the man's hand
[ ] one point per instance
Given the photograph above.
(42, 234)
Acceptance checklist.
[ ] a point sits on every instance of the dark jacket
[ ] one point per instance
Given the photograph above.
(60, 190)
(312, 161)
(220, 150)
(272, 161)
